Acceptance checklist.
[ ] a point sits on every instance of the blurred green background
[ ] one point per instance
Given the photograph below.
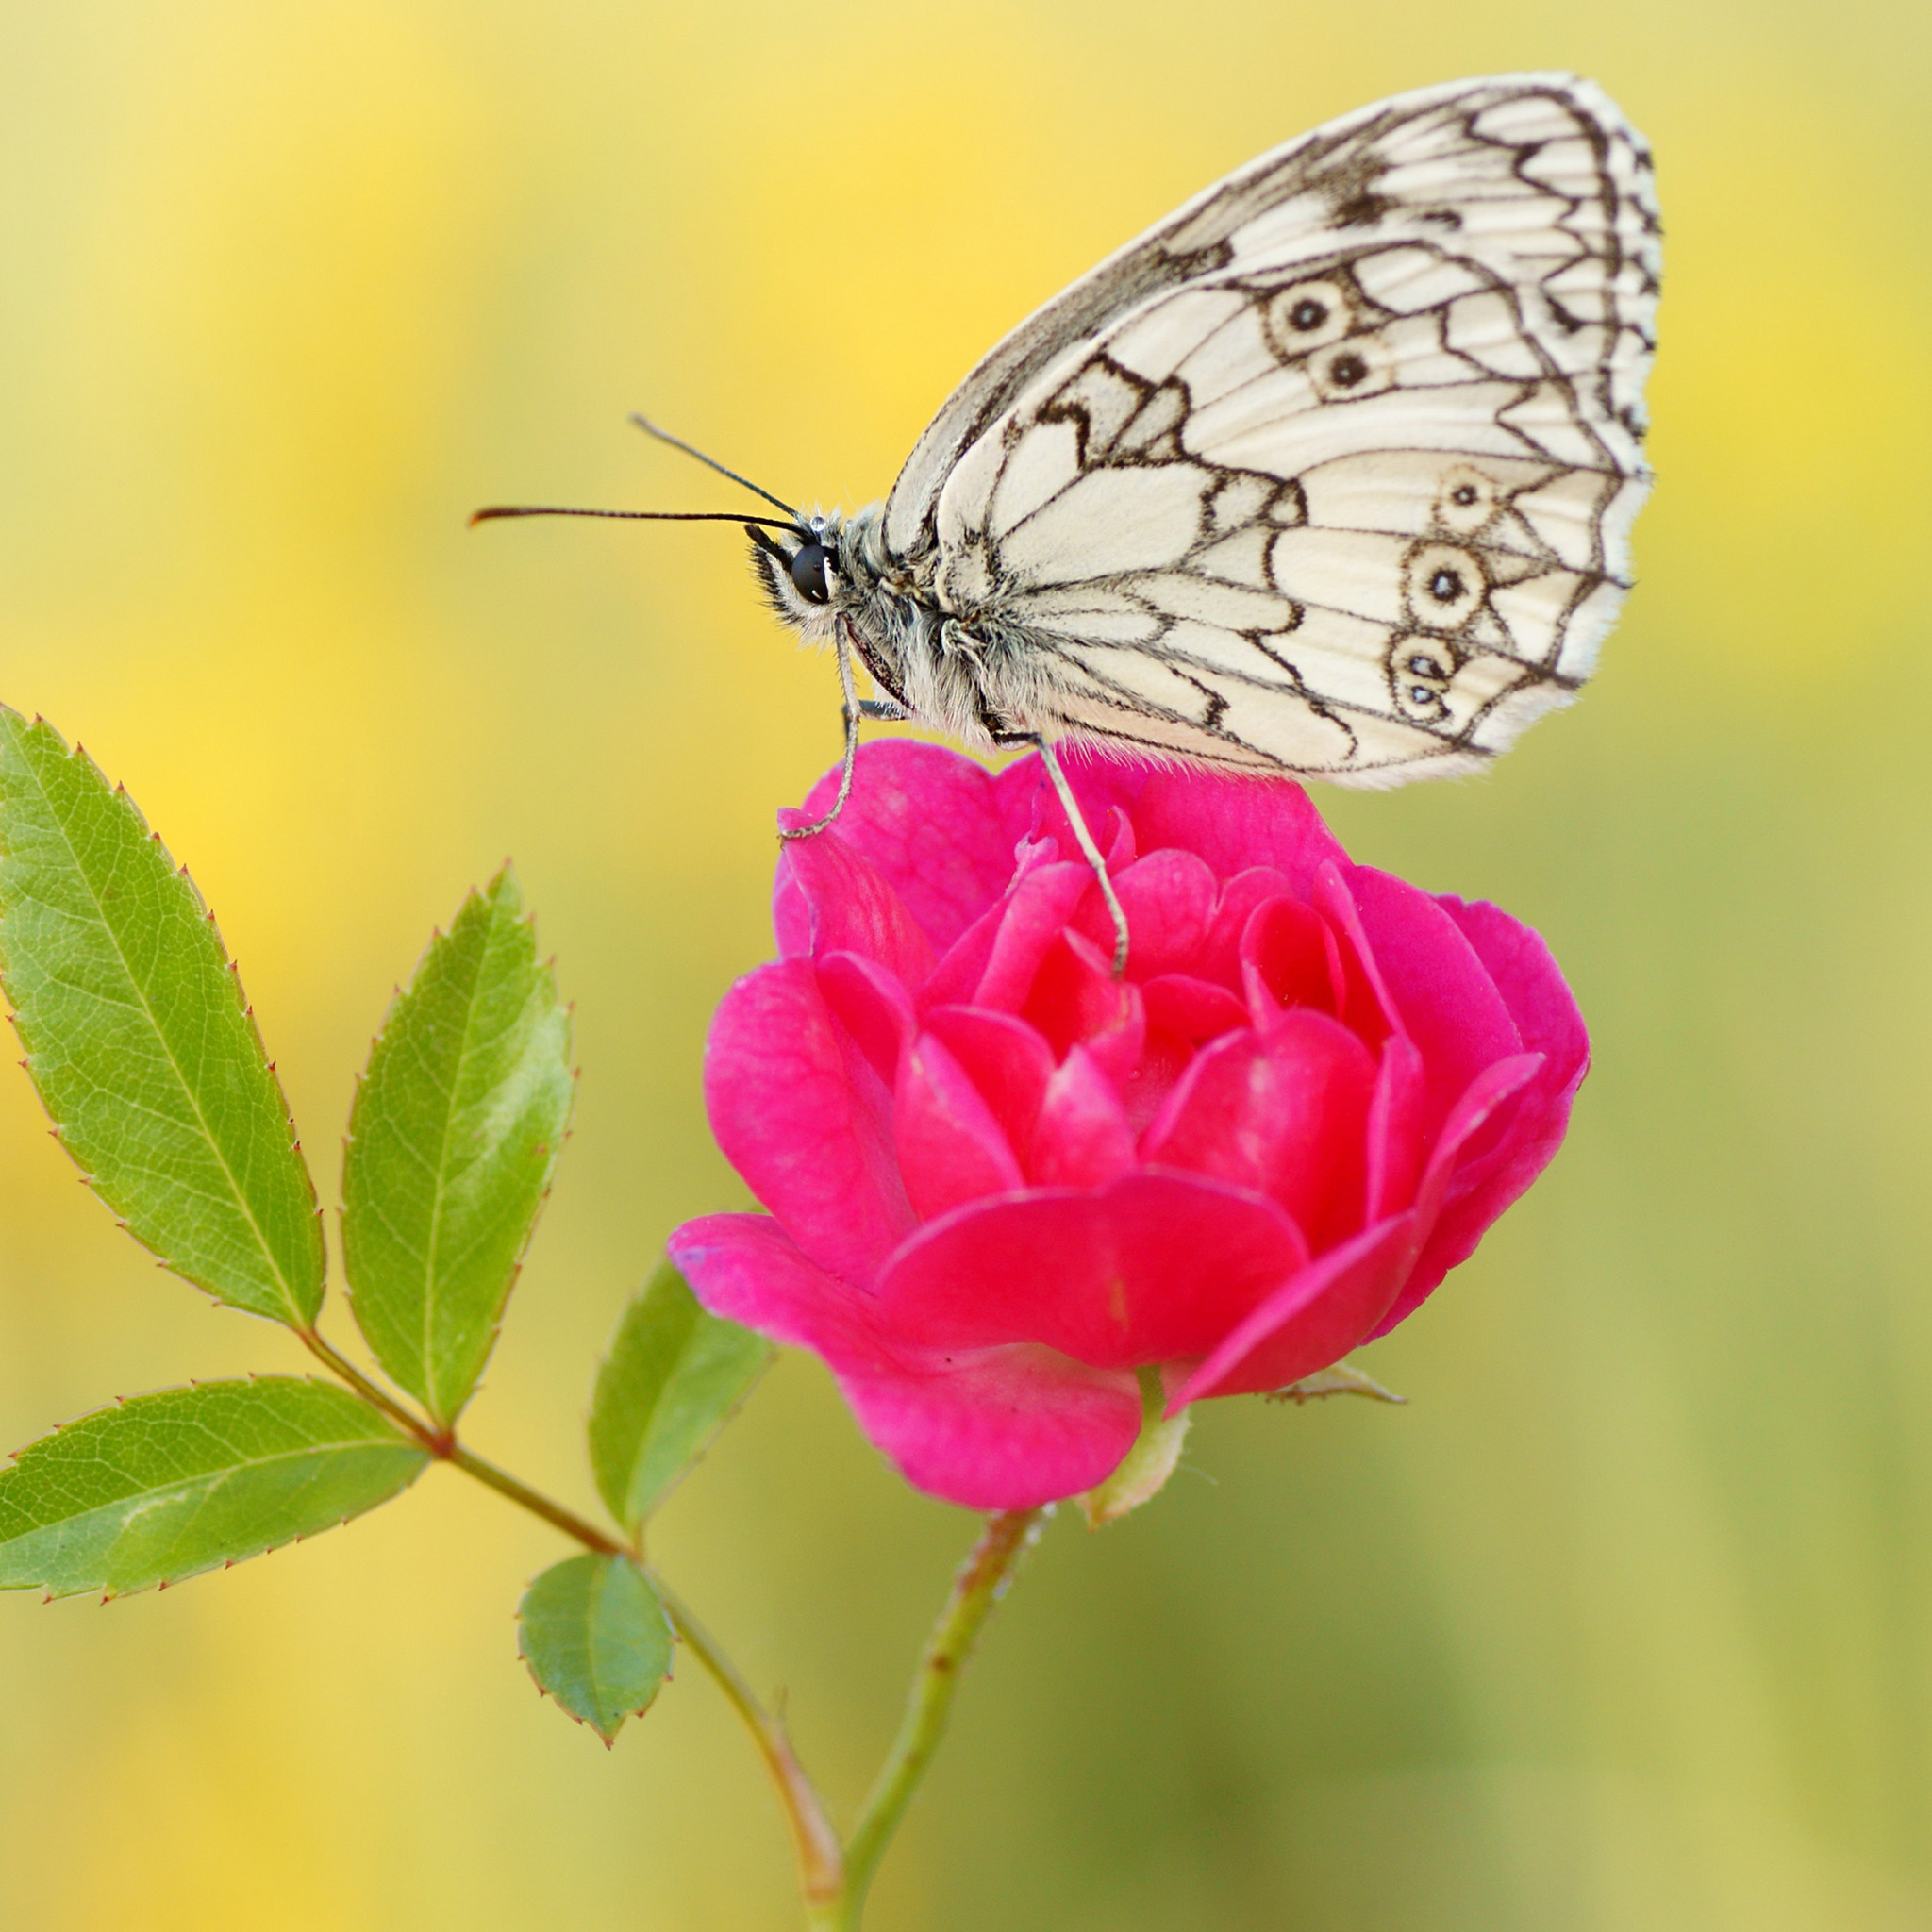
(1625, 1625)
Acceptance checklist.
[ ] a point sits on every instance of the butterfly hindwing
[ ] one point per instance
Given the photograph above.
(1333, 470)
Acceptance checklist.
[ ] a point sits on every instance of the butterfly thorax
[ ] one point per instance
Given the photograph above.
(957, 669)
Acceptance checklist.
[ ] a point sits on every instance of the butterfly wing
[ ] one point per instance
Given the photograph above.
(1333, 471)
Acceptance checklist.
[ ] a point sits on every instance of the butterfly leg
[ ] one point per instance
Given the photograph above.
(1071, 806)
(852, 712)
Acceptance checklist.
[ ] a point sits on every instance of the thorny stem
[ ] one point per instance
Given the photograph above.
(821, 1862)
(981, 1581)
(833, 1878)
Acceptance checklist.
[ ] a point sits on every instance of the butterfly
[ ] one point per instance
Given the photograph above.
(1331, 473)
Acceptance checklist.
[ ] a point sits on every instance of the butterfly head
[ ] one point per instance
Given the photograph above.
(799, 570)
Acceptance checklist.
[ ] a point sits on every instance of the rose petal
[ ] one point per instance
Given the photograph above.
(1221, 951)
(1005, 1058)
(1035, 914)
(1196, 1009)
(998, 1428)
(1285, 1113)
(934, 822)
(872, 1006)
(951, 1149)
(1369, 1010)
(1083, 1138)
(800, 1113)
(1346, 1298)
(1289, 957)
(1229, 822)
(1395, 1129)
(1153, 1267)
(1003, 1428)
(1449, 1004)
(1168, 899)
(1312, 1320)
(1074, 997)
(853, 905)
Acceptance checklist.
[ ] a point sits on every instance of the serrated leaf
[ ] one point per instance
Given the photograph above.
(597, 1640)
(163, 1486)
(453, 1142)
(1337, 1379)
(138, 1039)
(670, 1380)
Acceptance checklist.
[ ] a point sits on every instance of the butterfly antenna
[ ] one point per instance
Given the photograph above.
(642, 516)
(650, 428)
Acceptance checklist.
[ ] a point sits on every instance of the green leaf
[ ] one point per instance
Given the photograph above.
(1338, 1379)
(163, 1486)
(671, 1379)
(453, 1142)
(138, 1039)
(597, 1639)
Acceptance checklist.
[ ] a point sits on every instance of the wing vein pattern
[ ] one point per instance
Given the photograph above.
(1332, 472)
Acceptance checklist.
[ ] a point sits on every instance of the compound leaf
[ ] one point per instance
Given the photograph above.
(597, 1640)
(138, 1037)
(163, 1486)
(453, 1142)
(672, 1377)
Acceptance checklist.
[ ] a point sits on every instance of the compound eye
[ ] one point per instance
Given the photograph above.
(809, 573)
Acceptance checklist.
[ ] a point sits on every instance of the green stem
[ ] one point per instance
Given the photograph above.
(821, 1862)
(980, 1583)
(337, 1363)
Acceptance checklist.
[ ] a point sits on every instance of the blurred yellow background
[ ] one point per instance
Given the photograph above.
(1625, 1625)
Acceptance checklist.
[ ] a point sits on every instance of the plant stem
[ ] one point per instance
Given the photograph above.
(981, 1581)
(527, 1498)
(337, 1363)
(821, 1861)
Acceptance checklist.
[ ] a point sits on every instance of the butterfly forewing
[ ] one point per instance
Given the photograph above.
(1333, 470)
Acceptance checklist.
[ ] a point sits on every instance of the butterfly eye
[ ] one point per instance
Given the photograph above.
(809, 573)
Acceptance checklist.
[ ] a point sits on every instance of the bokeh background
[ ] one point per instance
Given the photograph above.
(1625, 1625)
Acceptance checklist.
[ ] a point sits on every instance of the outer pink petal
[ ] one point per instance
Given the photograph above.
(1474, 1193)
(1231, 823)
(1155, 1267)
(1341, 1299)
(1546, 1015)
(935, 823)
(852, 905)
(1312, 1320)
(800, 1113)
(1532, 986)
(1449, 1003)
(747, 1269)
(998, 1428)
(951, 1148)
(1003, 1428)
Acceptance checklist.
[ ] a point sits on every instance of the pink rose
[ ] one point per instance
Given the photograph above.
(1002, 1181)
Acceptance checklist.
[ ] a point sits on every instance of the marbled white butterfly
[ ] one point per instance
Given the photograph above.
(1329, 474)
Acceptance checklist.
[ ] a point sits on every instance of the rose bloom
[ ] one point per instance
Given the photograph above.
(1001, 1181)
